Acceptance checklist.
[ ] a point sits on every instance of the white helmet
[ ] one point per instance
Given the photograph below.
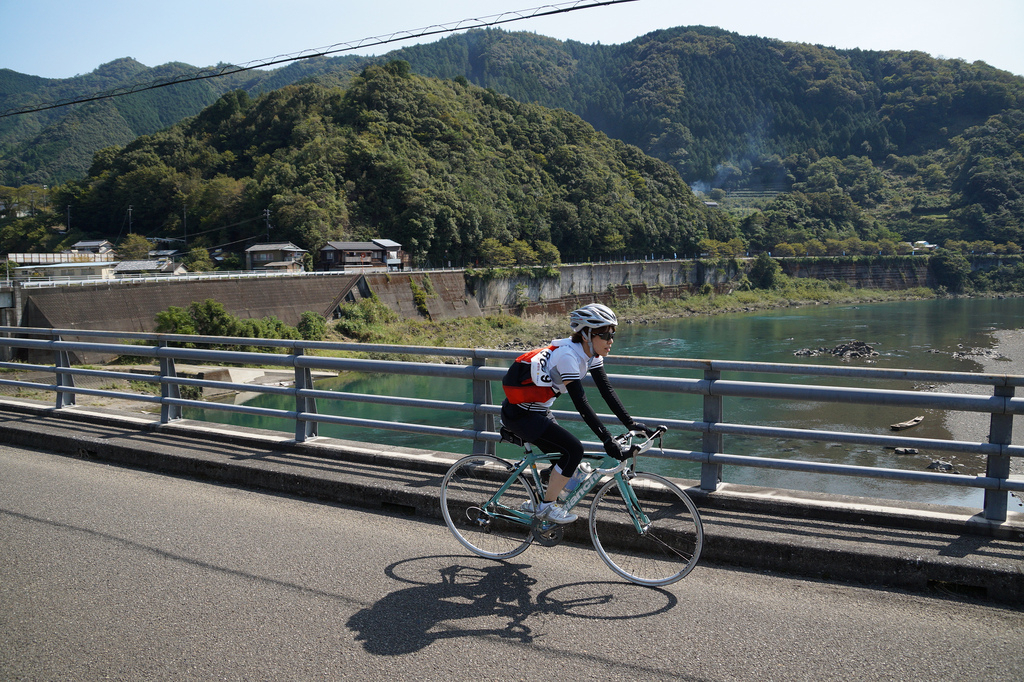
(593, 316)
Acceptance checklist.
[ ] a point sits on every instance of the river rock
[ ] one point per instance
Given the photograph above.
(940, 465)
(984, 353)
(853, 349)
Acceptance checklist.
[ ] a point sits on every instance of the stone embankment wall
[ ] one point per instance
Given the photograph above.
(133, 307)
(603, 282)
(892, 275)
(446, 294)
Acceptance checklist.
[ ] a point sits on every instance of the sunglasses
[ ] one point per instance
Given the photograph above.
(607, 336)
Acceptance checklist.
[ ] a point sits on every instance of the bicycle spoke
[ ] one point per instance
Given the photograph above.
(487, 525)
(666, 550)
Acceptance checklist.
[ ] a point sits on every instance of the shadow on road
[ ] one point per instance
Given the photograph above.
(456, 596)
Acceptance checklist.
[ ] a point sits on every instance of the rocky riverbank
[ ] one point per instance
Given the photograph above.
(1006, 356)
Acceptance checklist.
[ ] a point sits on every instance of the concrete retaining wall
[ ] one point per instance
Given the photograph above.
(890, 276)
(446, 294)
(580, 284)
(123, 307)
(133, 308)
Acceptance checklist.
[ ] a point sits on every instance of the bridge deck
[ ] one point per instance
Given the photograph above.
(914, 547)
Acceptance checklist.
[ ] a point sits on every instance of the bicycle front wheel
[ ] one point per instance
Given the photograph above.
(667, 543)
(487, 524)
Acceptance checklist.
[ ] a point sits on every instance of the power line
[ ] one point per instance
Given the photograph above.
(227, 69)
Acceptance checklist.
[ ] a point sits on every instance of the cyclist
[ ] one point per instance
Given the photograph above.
(536, 378)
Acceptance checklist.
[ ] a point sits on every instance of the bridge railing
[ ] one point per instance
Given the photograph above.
(470, 365)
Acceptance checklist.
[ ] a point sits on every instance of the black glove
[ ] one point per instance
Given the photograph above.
(613, 450)
(640, 426)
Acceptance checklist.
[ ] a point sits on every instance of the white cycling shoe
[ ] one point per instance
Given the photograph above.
(555, 514)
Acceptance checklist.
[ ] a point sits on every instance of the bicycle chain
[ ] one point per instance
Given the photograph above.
(546, 534)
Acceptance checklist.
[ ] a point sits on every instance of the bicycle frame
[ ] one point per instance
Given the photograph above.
(667, 537)
(619, 470)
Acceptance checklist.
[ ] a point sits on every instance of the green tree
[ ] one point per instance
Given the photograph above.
(493, 252)
(815, 248)
(175, 320)
(210, 318)
(734, 247)
(765, 273)
(134, 247)
(548, 253)
(312, 326)
(198, 260)
(711, 247)
(950, 268)
(523, 253)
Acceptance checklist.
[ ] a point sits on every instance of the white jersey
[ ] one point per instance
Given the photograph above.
(555, 366)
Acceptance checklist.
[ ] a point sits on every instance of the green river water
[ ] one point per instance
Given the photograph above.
(908, 335)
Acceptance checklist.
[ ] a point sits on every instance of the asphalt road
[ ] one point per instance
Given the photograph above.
(112, 573)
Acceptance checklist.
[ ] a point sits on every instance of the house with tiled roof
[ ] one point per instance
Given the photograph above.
(137, 268)
(68, 271)
(276, 256)
(375, 254)
(92, 246)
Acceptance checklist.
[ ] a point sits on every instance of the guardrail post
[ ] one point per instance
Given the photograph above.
(482, 422)
(168, 412)
(63, 379)
(1000, 432)
(710, 473)
(304, 429)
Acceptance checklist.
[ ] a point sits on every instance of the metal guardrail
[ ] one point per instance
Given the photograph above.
(1002, 405)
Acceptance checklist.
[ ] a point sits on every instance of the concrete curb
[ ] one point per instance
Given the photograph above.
(913, 547)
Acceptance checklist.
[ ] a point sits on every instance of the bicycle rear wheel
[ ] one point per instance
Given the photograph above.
(495, 529)
(666, 549)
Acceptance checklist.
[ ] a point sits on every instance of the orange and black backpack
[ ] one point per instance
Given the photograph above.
(528, 379)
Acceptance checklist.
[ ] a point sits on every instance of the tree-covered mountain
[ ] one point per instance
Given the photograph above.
(438, 166)
(867, 144)
(700, 97)
(55, 145)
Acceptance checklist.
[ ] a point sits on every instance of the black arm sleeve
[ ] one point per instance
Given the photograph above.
(608, 393)
(579, 399)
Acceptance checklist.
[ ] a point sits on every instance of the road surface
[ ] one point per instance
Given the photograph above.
(113, 573)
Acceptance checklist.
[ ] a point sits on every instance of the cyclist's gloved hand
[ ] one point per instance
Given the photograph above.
(644, 428)
(613, 450)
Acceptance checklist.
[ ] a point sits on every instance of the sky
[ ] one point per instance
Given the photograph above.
(64, 38)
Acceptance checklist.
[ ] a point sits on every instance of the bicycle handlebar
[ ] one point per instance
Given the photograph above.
(626, 440)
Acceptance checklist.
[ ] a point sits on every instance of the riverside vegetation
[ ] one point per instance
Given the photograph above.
(370, 321)
(763, 286)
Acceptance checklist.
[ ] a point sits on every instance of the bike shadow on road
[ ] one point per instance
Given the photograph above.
(457, 596)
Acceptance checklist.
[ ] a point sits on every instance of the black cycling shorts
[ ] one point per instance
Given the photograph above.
(546, 434)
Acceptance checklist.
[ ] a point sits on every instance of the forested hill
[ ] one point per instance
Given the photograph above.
(874, 145)
(439, 166)
(57, 144)
(703, 97)
(712, 103)
(865, 144)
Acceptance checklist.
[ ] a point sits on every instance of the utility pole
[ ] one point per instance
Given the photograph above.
(129, 219)
(69, 217)
(184, 222)
(266, 216)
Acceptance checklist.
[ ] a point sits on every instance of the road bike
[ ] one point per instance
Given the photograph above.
(643, 526)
